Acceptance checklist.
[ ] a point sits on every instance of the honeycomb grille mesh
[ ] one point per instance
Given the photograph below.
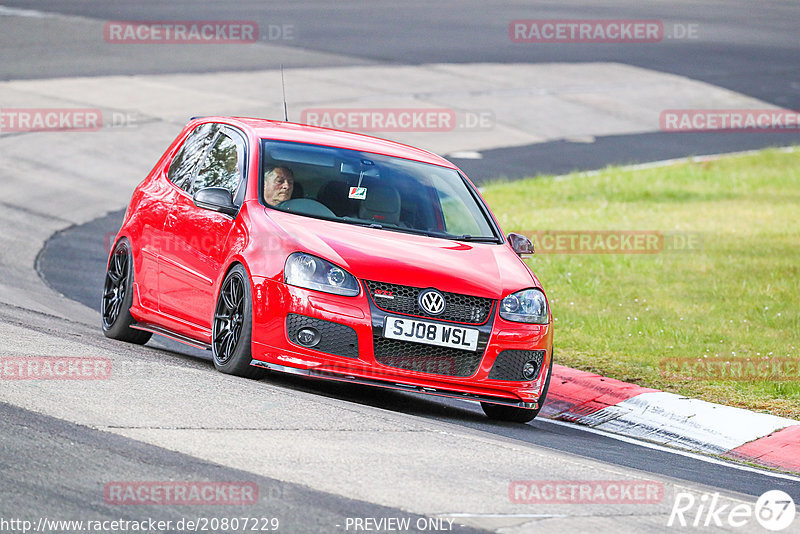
(335, 338)
(509, 364)
(461, 308)
(424, 358)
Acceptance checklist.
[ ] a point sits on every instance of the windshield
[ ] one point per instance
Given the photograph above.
(373, 190)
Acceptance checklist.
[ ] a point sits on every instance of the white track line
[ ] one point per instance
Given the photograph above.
(15, 12)
(701, 457)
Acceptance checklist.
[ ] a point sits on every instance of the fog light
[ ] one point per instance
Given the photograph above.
(308, 337)
(530, 369)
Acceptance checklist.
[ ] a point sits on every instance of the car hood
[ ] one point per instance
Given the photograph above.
(480, 269)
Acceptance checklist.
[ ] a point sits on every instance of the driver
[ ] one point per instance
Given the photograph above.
(278, 185)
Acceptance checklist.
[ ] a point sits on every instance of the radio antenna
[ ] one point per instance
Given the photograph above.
(283, 85)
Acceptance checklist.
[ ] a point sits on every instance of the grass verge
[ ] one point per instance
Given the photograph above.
(705, 304)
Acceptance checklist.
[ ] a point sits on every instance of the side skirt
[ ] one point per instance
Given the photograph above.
(172, 335)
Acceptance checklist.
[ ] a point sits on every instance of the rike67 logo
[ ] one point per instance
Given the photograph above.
(774, 511)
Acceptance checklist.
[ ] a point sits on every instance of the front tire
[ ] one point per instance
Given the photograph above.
(118, 297)
(232, 327)
(512, 414)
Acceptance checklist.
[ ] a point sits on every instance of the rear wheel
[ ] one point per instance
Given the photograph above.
(232, 327)
(513, 414)
(118, 297)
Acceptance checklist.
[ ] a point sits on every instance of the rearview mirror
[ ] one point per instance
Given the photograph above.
(362, 169)
(521, 244)
(216, 199)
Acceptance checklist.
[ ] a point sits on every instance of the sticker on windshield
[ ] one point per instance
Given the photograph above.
(358, 193)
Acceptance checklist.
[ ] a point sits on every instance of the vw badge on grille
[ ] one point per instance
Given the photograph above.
(431, 301)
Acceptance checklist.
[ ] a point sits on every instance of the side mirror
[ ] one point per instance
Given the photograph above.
(216, 199)
(521, 244)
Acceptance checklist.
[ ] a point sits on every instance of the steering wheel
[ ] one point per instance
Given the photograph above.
(306, 206)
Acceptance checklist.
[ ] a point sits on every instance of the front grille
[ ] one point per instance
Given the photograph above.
(461, 308)
(335, 338)
(509, 364)
(424, 358)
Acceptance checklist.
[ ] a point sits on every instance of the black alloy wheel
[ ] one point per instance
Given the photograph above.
(232, 327)
(118, 297)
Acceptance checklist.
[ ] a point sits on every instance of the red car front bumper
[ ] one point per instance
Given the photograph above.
(420, 368)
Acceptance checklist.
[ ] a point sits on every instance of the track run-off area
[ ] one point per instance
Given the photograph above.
(327, 457)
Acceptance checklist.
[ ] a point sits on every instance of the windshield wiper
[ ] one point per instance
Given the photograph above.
(476, 238)
(383, 226)
(416, 231)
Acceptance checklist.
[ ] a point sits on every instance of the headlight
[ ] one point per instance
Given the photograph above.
(310, 272)
(526, 306)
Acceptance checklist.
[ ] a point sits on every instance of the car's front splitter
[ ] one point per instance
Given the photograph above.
(405, 385)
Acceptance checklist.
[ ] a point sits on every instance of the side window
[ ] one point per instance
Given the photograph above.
(461, 214)
(457, 220)
(221, 167)
(194, 148)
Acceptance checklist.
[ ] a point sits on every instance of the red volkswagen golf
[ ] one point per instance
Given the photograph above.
(299, 249)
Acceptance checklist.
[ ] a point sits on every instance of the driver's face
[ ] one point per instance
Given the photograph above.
(278, 186)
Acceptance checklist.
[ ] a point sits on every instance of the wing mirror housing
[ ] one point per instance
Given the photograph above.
(521, 244)
(216, 199)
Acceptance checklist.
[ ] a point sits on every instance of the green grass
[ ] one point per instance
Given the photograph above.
(734, 297)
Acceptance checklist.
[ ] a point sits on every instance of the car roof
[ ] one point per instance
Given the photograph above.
(316, 135)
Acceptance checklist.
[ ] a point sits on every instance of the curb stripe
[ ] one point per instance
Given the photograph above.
(690, 424)
(780, 450)
(575, 394)
(666, 418)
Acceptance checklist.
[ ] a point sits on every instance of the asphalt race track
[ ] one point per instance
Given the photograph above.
(81, 245)
(324, 454)
(731, 47)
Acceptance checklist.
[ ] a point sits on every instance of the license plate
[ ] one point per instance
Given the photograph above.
(442, 335)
